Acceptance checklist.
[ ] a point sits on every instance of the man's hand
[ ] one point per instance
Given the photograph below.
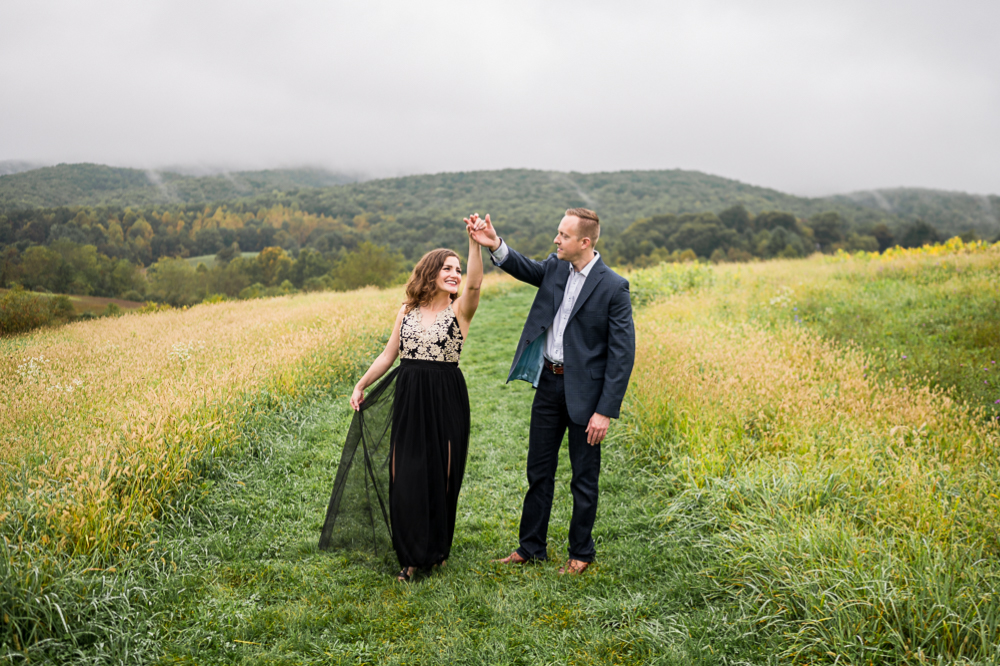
(597, 428)
(482, 231)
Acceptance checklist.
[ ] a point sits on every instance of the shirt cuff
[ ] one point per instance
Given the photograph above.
(501, 253)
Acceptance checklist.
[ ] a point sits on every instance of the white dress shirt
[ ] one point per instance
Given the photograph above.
(554, 334)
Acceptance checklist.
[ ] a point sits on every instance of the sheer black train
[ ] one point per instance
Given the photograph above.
(403, 463)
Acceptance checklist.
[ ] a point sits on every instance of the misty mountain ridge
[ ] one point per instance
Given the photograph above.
(99, 185)
(621, 197)
(948, 211)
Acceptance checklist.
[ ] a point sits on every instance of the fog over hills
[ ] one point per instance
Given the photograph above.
(8, 167)
(949, 212)
(813, 98)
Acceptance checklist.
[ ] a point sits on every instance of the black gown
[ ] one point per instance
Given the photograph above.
(403, 462)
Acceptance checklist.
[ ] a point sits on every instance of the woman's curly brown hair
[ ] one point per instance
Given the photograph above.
(422, 285)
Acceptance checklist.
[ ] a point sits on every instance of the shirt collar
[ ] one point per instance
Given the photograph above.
(586, 269)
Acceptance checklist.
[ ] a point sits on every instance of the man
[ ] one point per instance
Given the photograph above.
(577, 350)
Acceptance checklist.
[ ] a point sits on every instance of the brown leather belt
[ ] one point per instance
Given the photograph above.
(556, 368)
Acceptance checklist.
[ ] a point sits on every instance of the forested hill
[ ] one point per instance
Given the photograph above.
(526, 202)
(621, 197)
(324, 237)
(409, 212)
(98, 185)
(951, 213)
(518, 196)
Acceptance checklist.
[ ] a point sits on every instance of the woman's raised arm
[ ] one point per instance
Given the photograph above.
(468, 302)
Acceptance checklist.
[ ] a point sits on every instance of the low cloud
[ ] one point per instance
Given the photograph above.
(807, 99)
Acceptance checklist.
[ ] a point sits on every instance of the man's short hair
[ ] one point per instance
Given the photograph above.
(590, 225)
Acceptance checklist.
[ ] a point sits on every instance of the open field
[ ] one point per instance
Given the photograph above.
(930, 315)
(782, 488)
(96, 305)
(209, 259)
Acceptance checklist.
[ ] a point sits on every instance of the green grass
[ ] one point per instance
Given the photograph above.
(715, 546)
(257, 590)
(851, 520)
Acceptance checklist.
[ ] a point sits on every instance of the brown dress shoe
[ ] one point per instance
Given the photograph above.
(513, 558)
(573, 567)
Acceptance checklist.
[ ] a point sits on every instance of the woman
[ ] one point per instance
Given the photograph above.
(413, 427)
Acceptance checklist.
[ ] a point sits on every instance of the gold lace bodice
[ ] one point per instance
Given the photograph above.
(441, 341)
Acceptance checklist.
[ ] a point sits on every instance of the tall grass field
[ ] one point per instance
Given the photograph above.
(849, 504)
(105, 424)
(805, 472)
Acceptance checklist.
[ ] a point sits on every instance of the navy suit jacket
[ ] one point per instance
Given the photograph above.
(599, 342)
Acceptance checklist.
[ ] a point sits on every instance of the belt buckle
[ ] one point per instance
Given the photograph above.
(556, 368)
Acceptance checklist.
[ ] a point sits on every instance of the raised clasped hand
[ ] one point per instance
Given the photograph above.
(481, 230)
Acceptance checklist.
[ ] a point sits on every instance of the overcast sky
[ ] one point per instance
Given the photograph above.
(806, 97)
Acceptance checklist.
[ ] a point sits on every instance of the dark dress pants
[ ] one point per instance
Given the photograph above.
(549, 423)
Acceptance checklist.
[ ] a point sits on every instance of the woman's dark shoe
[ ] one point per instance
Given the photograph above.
(405, 574)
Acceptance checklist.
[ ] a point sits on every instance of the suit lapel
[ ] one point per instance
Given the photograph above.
(593, 279)
(559, 287)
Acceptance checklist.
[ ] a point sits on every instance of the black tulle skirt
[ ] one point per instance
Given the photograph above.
(402, 466)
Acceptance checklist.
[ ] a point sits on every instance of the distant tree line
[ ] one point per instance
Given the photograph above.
(145, 235)
(172, 281)
(185, 254)
(735, 234)
(152, 254)
(272, 272)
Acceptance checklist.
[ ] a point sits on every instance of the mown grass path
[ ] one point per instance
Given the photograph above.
(256, 590)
